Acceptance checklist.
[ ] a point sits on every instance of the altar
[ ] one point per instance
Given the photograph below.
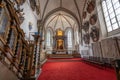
(59, 42)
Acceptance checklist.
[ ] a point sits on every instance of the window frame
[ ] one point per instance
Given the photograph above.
(113, 31)
(48, 38)
(69, 39)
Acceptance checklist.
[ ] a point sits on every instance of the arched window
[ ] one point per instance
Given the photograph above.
(48, 39)
(111, 10)
(69, 39)
(77, 36)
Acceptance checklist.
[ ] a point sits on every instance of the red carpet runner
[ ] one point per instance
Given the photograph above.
(74, 70)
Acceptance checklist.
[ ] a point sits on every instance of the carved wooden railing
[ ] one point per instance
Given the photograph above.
(7, 58)
(20, 64)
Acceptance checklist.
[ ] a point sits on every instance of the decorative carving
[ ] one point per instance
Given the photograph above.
(37, 9)
(86, 38)
(91, 6)
(94, 33)
(93, 19)
(1, 8)
(84, 14)
(4, 22)
(38, 24)
(59, 32)
(32, 4)
(20, 13)
(60, 44)
(6, 48)
(0, 11)
(59, 40)
(86, 26)
(20, 1)
(0, 2)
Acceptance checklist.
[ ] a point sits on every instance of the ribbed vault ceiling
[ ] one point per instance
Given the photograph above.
(60, 20)
(75, 6)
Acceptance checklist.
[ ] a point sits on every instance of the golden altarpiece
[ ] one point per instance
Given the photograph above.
(59, 41)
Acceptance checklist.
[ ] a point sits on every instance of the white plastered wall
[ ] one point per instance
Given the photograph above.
(30, 16)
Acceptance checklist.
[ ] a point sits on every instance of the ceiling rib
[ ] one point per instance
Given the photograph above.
(56, 21)
(83, 9)
(64, 10)
(45, 8)
(52, 20)
(60, 3)
(62, 23)
(78, 10)
(67, 20)
(39, 7)
(73, 16)
(80, 26)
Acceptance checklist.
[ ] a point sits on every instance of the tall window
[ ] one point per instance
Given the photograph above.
(111, 10)
(69, 39)
(77, 36)
(48, 39)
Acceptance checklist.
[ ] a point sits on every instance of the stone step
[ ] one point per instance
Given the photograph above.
(60, 56)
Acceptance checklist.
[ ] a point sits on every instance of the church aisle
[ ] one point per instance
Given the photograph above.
(74, 70)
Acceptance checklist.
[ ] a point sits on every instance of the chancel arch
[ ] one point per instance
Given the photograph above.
(58, 10)
(63, 25)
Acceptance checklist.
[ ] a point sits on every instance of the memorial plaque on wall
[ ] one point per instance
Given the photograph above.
(86, 26)
(32, 4)
(118, 43)
(90, 21)
(86, 38)
(20, 1)
(84, 14)
(94, 33)
(91, 6)
(97, 49)
(37, 10)
(93, 19)
(109, 48)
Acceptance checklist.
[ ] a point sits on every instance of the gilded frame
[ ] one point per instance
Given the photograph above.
(4, 26)
(15, 39)
(19, 48)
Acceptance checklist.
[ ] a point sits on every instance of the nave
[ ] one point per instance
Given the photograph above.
(33, 32)
(74, 69)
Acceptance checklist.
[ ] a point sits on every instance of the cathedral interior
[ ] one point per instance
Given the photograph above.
(59, 39)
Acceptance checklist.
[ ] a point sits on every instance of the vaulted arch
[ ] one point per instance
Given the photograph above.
(71, 14)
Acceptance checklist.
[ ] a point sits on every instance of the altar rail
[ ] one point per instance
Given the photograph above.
(70, 53)
(61, 51)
